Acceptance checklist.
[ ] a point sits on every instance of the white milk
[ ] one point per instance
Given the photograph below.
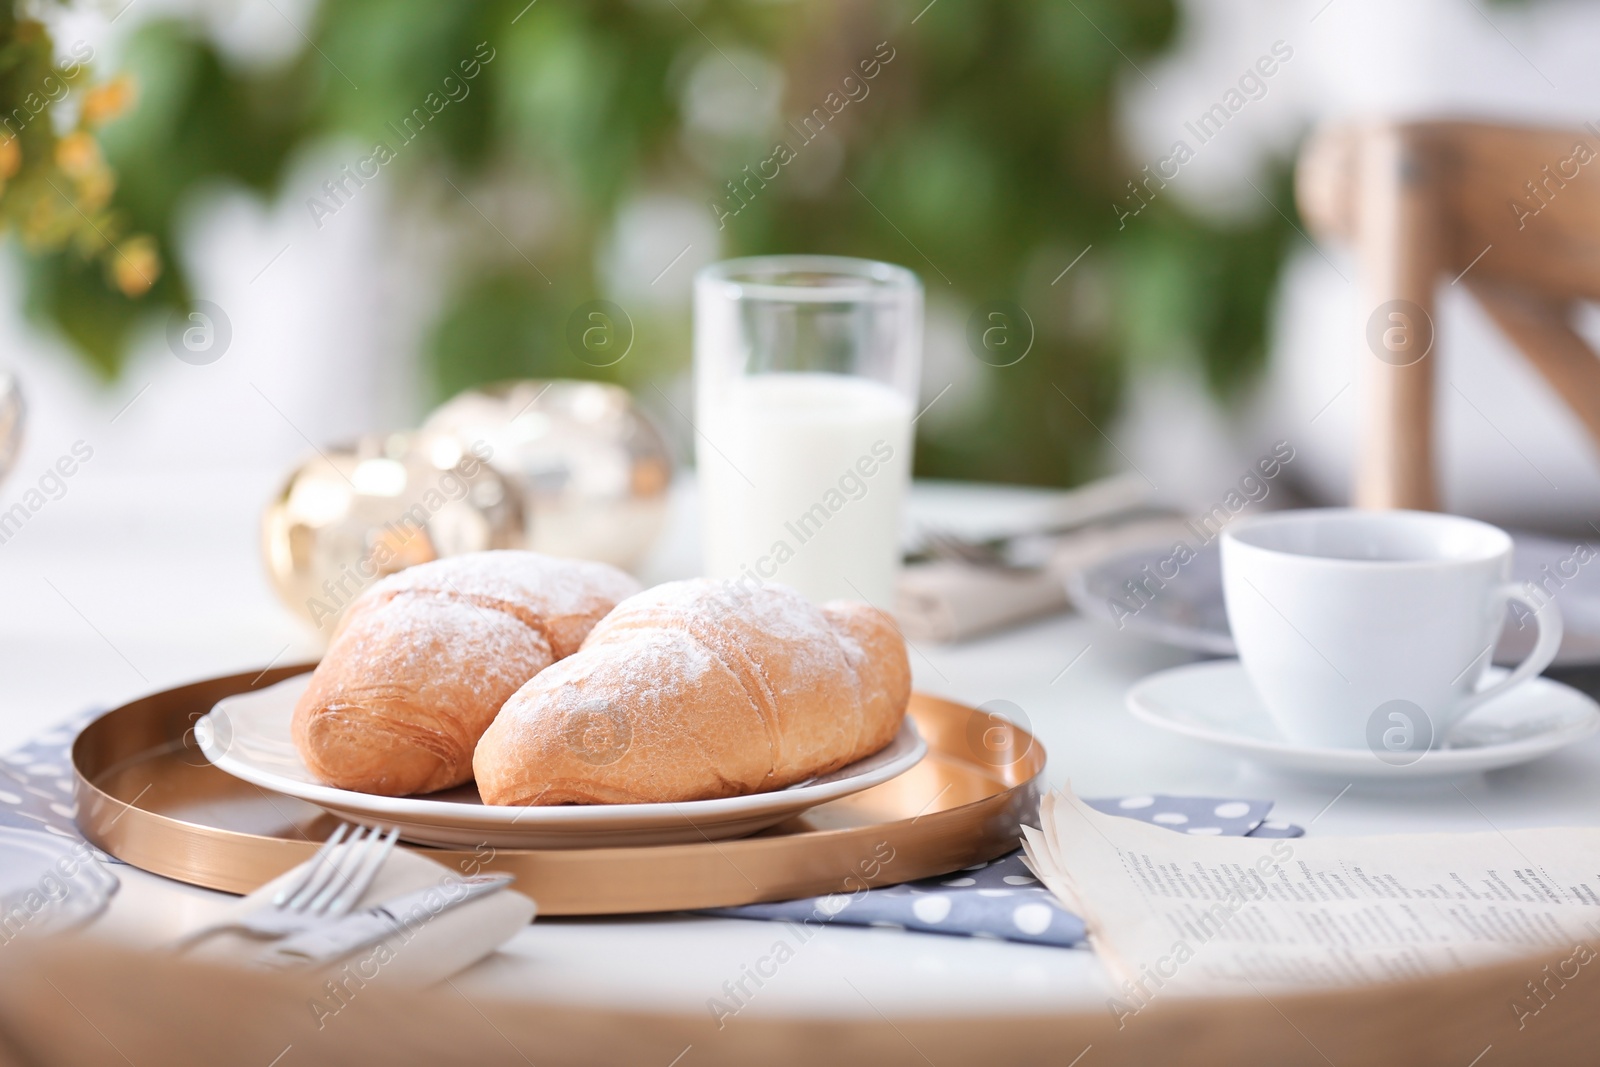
(802, 478)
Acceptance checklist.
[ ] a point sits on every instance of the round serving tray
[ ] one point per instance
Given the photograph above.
(147, 795)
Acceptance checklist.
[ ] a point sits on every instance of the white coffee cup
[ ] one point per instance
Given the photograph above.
(1373, 629)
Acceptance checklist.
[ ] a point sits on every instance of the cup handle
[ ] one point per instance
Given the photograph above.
(1548, 618)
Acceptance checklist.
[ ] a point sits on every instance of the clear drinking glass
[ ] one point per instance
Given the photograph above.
(806, 372)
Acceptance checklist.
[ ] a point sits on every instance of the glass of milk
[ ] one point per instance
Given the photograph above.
(806, 372)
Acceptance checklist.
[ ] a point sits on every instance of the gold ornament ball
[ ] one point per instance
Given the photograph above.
(592, 467)
(356, 513)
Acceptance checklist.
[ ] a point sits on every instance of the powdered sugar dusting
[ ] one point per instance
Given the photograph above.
(495, 617)
(512, 576)
(772, 609)
(401, 638)
(641, 671)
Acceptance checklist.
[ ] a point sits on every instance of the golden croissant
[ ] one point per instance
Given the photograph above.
(700, 689)
(424, 660)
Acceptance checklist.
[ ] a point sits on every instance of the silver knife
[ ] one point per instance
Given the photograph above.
(400, 915)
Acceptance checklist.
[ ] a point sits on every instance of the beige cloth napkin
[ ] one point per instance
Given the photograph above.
(943, 601)
(946, 601)
(437, 948)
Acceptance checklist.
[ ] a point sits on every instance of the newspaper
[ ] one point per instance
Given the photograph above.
(1168, 912)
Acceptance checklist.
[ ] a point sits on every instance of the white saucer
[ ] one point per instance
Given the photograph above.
(1214, 702)
(248, 737)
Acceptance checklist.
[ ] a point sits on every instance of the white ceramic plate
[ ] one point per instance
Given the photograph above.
(1188, 611)
(1215, 703)
(248, 737)
(49, 884)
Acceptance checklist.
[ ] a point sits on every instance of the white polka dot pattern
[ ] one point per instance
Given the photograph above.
(1032, 918)
(1233, 817)
(35, 792)
(833, 904)
(1001, 899)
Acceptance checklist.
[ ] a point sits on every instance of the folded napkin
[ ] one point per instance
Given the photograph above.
(435, 943)
(945, 601)
(1001, 898)
(36, 794)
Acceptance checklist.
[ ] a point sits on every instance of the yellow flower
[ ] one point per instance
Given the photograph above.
(78, 154)
(135, 265)
(105, 102)
(40, 221)
(10, 156)
(95, 189)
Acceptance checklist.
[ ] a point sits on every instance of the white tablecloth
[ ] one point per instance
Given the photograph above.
(131, 585)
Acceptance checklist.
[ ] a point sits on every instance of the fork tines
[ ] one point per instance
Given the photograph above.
(339, 873)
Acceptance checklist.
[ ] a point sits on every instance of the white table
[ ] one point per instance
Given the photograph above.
(143, 583)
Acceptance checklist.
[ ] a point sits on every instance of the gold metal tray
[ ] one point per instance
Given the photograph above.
(146, 795)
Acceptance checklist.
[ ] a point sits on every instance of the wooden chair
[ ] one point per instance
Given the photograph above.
(1512, 213)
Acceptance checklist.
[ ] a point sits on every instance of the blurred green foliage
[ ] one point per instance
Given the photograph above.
(988, 140)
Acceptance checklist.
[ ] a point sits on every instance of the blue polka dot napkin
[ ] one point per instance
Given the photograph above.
(1002, 899)
(36, 784)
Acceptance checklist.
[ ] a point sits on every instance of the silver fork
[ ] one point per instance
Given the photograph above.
(326, 887)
